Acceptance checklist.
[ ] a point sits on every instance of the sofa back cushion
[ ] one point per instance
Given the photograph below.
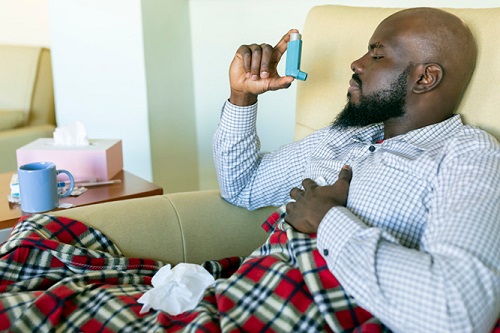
(26, 83)
(334, 36)
(10, 119)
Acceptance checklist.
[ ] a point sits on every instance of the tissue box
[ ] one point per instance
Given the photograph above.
(101, 159)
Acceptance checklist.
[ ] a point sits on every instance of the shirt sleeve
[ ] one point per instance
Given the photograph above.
(450, 284)
(248, 178)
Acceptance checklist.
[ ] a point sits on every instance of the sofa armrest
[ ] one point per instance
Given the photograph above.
(179, 227)
(11, 140)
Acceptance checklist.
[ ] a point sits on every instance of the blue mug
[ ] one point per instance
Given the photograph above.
(38, 188)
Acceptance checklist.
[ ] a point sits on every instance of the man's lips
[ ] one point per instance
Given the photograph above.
(353, 86)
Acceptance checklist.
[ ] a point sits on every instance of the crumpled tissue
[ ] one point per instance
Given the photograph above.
(71, 135)
(176, 290)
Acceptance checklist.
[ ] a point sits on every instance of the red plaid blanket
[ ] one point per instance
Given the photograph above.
(57, 274)
(284, 286)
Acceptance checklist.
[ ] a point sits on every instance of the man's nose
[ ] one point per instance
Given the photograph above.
(357, 66)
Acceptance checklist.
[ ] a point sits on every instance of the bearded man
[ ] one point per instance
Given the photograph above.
(409, 224)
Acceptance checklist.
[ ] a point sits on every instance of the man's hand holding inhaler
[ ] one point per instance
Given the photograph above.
(253, 71)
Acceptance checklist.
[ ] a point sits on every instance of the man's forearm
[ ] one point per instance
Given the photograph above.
(247, 180)
(236, 148)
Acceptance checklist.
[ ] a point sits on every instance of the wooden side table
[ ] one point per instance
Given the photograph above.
(130, 187)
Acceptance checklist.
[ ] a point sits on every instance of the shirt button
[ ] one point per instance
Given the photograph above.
(325, 252)
(372, 148)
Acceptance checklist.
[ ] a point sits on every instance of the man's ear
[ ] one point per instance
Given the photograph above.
(429, 77)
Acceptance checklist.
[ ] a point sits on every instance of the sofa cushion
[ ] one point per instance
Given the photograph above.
(10, 119)
(19, 67)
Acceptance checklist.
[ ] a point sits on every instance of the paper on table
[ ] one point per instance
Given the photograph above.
(176, 290)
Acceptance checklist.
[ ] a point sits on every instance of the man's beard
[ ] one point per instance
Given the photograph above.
(377, 107)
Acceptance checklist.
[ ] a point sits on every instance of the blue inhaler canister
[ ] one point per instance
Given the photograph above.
(293, 53)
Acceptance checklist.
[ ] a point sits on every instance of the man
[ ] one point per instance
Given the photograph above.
(410, 223)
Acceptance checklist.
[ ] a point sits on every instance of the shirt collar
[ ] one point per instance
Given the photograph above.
(420, 138)
(368, 134)
(428, 136)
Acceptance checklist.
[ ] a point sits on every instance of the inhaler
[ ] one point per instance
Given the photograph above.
(293, 53)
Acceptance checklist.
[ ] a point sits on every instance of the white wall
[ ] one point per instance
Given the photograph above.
(24, 22)
(218, 27)
(99, 73)
(172, 121)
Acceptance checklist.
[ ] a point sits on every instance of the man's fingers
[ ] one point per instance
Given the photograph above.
(281, 82)
(256, 60)
(253, 71)
(295, 192)
(245, 55)
(282, 45)
(308, 183)
(260, 61)
(265, 64)
(345, 174)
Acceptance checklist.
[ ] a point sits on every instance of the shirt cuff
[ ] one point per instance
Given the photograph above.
(336, 229)
(238, 118)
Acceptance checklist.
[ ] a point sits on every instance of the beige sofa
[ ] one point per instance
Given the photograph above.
(197, 226)
(26, 99)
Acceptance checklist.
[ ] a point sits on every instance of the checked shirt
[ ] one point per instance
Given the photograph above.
(418, 243)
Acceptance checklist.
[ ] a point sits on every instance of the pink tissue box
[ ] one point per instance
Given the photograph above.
(101, 159)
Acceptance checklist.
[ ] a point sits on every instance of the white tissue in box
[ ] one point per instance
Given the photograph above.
(71, 135)
(101, 159)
